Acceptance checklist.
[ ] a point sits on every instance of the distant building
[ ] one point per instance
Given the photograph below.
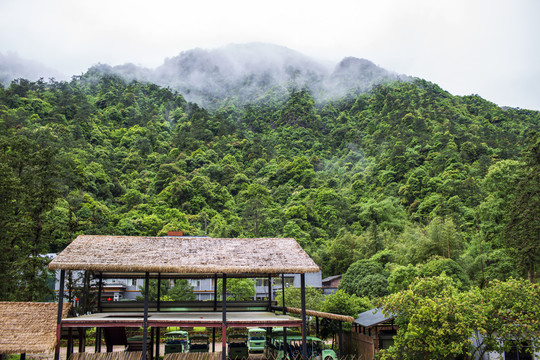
(330, 284)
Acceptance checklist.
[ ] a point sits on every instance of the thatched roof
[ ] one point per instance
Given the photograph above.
(27, 327)
(188, 255)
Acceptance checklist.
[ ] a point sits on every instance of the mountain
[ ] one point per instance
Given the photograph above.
(248, 73)
(238, 73)
(243, 72)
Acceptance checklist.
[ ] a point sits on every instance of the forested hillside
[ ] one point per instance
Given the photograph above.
(404, 175)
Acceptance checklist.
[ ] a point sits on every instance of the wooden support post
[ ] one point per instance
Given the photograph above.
(69, 349)
(269, 292)
(145, 320)
(215, 309)
(158, 336)
(59, 317)
(285, 345)
(340, 339)
(98, 329)
(215, 291)
(158, 304)
(224, 320)
(304, 317)
(158, 308)
(82, 339)
(86, 292)
(151, 347)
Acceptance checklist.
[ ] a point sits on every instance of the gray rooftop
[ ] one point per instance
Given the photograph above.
(372, 317)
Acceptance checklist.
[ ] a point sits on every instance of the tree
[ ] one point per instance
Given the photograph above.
(434, 320)
(523, 229)
(33, 167)
(342, 303)
(437, 321)
(180, 290)
(341, 252)
(238, 289)
(509, 315)
(401, 277)
(314, 298)
(439, 265)
(255, 201)
(364, 278)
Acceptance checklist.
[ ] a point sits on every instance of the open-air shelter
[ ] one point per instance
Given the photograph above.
(174, 257)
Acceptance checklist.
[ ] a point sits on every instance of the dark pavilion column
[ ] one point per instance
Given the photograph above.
(224, 320)
(285, 345)
(98, 329)
(269, 292)
(340, 338)
(158, 330)
(145, 320)
(215, 309)
(304, 322)
(59, 317)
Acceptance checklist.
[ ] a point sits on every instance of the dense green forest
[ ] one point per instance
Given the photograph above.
(404, 180)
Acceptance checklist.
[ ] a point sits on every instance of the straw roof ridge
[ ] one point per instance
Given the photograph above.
(199, 255)
(29, 327)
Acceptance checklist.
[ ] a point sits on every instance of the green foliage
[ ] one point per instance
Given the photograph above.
(523, 224)
(433, 320)
(438, 266)
(406, 168)
(343, 304)
(314, 298)
(365, 278)
(180, 290)
(508, 315)
(401, 277)
(437, 321)
(238, 289)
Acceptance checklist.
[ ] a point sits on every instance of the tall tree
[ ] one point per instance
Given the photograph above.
(523, 229)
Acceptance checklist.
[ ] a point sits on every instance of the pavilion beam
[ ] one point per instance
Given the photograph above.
(304, 318)
(59, 317)
(223, 319)
(145, 321)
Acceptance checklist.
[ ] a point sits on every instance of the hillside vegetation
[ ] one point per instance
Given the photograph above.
(403, 180)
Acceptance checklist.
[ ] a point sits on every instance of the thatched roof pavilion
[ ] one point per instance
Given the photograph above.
(27, 327)
(187, 255)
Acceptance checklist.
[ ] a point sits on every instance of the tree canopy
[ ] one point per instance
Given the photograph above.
(406, 169)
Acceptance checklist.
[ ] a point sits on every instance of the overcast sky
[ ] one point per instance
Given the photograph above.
(485, 47)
